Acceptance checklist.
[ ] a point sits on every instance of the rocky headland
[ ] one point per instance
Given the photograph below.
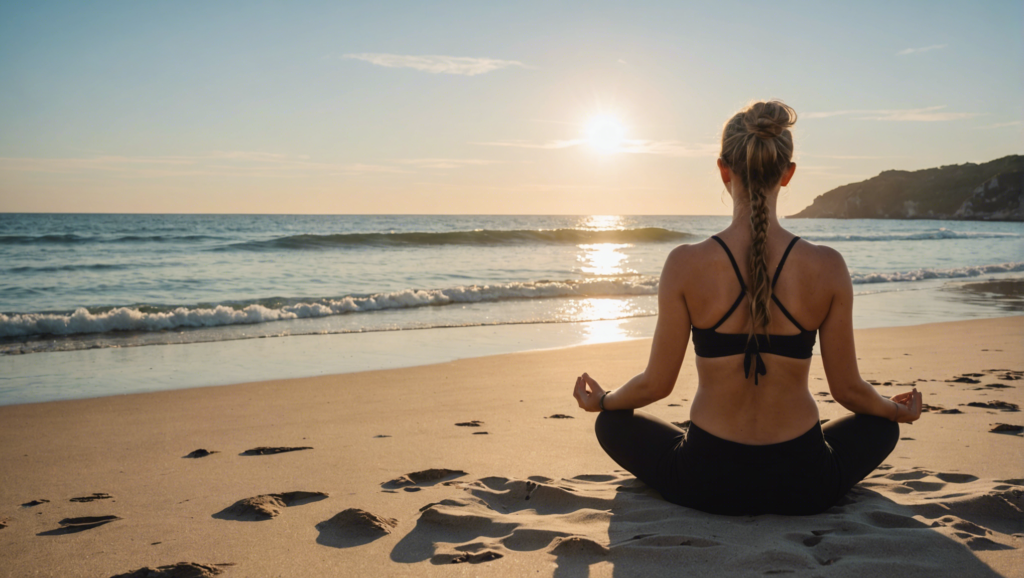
(992, 191)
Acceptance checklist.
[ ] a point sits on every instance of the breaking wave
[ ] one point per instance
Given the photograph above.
(936, 235)
(477, 237)
(144, 319)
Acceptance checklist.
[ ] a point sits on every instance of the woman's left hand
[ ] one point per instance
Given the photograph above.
(588, 393)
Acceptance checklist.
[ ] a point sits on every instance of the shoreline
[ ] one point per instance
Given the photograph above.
(87, 373)
(370, 427)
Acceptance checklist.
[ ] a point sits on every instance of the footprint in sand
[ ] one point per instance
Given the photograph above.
(474, 423)
(1006, 428)
(1000, 405)
(92, 498)
(667, 541)
(179, 570)
(964, 379)
(595, 478)
(560, 416)
(4, 522)
(993, 386)
(422, 478)
(200, 453)
(34, 503)
(265, 451)
(889, 520)
(578, 546)
(353, 527)
(464, 557)
(266, 506)
(74, 525)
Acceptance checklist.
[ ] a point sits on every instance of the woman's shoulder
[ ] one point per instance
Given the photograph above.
(821, 255)
(822, 264)
(692, 254)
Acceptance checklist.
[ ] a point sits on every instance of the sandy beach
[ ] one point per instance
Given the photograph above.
(527, 490)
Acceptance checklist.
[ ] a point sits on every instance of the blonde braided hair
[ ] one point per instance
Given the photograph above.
(757, 145)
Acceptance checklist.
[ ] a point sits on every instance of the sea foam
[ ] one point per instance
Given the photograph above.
(156, 318)
(132, 319)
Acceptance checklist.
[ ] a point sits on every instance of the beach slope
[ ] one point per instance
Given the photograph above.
(486, 467)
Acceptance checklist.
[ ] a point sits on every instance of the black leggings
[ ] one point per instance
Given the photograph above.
(693, 468)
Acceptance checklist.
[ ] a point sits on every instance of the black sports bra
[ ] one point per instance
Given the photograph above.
(710, 343)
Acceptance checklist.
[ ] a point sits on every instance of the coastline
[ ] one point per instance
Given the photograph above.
(131, 447)
(78, 374)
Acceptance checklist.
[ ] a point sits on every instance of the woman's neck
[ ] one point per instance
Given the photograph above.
(741, 215)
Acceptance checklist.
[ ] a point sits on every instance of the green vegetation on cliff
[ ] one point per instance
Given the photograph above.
(989, 191)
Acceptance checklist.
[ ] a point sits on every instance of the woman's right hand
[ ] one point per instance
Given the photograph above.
(908, 406)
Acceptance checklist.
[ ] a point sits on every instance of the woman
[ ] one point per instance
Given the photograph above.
(755, 445)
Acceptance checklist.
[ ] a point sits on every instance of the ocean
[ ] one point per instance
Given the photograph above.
(86, 300)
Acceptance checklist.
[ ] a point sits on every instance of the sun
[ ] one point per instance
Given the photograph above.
(605, 134)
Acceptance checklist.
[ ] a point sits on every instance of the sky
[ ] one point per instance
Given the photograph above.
(483, 107)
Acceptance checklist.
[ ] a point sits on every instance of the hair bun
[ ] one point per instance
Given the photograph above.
(767, 120)
(766, 128)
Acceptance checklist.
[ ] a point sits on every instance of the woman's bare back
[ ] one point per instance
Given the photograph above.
(727, 403)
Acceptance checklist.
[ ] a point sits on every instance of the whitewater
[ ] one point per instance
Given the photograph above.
(92, 281)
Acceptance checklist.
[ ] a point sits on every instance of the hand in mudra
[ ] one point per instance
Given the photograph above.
(908, 405)
(588, 393)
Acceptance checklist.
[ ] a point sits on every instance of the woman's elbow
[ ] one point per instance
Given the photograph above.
(657, 389)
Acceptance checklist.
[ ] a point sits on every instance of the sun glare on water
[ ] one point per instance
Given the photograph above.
(605, 134)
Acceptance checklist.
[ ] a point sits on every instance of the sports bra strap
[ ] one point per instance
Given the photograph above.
(778, 269)
(787, 314)
(735, 304)
(732, 260)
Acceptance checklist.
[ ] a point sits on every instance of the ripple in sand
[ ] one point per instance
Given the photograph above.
(179, 570)
(266, 506)
(353, 527)
(425, 477)
(92, 498)
(73, 525)
(474, 423)
(264, 451)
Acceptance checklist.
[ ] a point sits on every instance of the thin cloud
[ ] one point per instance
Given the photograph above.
(225, 163)
(847, 157)
(446, 163)
(669, 148)
(929, 114)
(1000, 125)
(436, 64)
(554, 144)
(907, 51)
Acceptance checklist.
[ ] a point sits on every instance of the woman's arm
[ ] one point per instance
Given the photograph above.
(839, 355)
(671, 336)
